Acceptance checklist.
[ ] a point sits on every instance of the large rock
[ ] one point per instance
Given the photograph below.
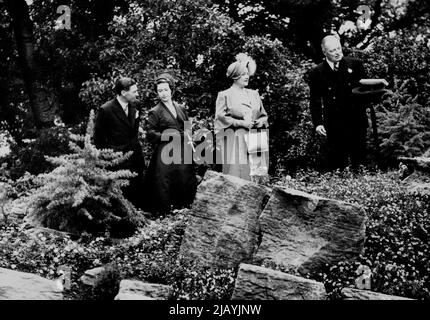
(91, 276)
(356, 294)
(138, 290)
(419, 181)
(304, 232)
(258, 283)
(4, 199)
(223, 230)
(15, 285)
(16, 209)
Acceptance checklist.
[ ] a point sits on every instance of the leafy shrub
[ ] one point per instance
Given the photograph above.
(402, 58)
(404, 124)
(107, 284)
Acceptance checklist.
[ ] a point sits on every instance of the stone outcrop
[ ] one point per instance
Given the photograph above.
(16, 209)
(305, 232)
(236, 221)
(91, 276)
(15, 285)
(356, 294)
(418, 163)
(4, 201)
(419, 181)
(223, 230)
(138, 290)
(258, 283)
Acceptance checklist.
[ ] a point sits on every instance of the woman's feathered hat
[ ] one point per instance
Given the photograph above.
(243, 63)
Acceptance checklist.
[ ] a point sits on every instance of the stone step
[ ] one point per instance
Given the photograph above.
(259, 283)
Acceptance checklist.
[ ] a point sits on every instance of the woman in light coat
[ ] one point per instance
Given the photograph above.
(238, 110)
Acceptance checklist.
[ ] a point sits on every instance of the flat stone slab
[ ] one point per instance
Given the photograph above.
(356, 294)
(16, 285)
(223, 229)
(138, 290)
(259, 283)
(302, 232)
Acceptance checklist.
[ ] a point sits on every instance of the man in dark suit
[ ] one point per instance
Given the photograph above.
(336, 114)
(116, 127)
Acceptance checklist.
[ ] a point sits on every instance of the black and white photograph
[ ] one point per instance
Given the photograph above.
(215, 155)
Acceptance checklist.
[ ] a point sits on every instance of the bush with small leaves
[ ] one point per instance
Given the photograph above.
(82, 193)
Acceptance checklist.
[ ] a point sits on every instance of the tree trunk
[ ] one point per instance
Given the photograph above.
(23, 29)
(232, 10)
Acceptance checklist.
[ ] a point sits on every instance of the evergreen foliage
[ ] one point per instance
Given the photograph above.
(402, 59)
(83, 193)
(404, 125)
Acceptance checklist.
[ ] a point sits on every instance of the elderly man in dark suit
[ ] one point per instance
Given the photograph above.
(336, 114)
(116, 127)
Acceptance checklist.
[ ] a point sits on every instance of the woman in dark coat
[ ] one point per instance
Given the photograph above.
(168, 184)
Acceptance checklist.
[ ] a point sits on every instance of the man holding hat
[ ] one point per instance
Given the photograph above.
(336, 114)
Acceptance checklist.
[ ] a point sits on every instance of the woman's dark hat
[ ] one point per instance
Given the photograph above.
(165, 76)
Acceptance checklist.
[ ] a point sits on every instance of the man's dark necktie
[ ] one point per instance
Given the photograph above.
(336, 67)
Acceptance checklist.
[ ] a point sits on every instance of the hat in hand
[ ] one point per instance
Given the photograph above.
(371, 87)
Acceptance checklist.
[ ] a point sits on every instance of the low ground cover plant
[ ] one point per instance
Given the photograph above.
(397, 245)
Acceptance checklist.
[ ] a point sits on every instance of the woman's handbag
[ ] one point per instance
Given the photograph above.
(257, 141)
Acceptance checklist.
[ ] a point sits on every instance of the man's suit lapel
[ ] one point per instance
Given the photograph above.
(119, 112)
(326, 73)
(326, 67)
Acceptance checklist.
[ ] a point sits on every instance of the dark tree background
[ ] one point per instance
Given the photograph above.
(49, 73)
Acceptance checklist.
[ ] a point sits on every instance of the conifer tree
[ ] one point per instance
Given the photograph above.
(404, 124)
(83, 193)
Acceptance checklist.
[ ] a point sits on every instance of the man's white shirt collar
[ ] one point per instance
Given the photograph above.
(123, 105)
(331, 64)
